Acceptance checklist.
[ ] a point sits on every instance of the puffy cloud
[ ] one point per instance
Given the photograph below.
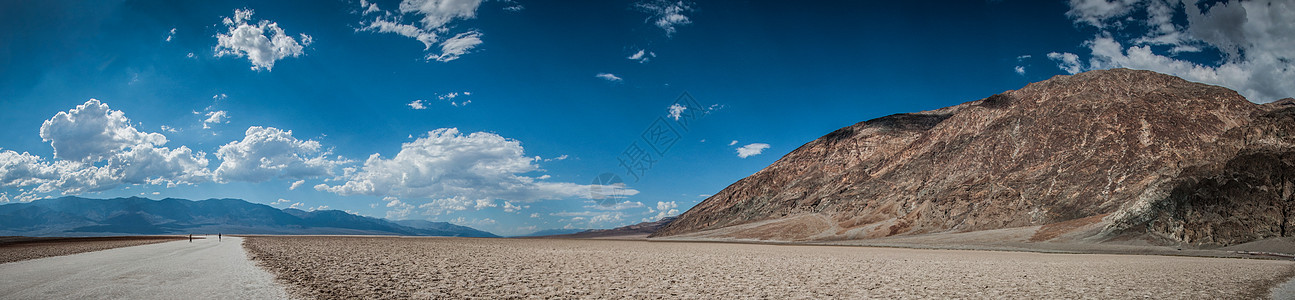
(458, 171)
(432, 18)
(510, 207)
(215, 117)
(752, 149)
(609, 77)
(97, 149)
(92, 132)
(1020, 70)
(266, 153)
(664, 209)
(1068, 62)
(1096, 12)
(676, 111)
(417, 104)
(262, 43)
(399, 210)
(296, 184)
(666, 14)
(643, 56)
(1254, 38)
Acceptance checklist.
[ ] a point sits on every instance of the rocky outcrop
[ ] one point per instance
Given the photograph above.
(1133, 151)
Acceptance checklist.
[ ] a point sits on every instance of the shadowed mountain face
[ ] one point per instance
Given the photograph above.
(73, 216)
(630, 231)
(1104, 154)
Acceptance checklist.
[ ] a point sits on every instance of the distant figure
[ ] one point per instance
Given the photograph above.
(190, 237)
(219, 237)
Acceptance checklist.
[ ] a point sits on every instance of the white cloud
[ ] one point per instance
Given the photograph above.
(296, 184)
(609, 77)
(643, 56)
(262, 43)
(450, 97)
(399, 210)
(266, 153)
(1020, 70)
(321, 207)
(734, 142)
(1254, 38)
(752, 149)
(215, 117)
(510, 207)
(170, 35)
(369, 7)
(664, 209)
(281, 201)
(458, 171)
(618, 206)
(666, 14)
(1068, 62)
(560, 157)
(433, 18)
(96, 148)
(535, 215)
(457, 46)
(417, 104)
(473, 222)
(676, 111)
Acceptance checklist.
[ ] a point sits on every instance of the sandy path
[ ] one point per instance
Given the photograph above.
(457, 268)
(203, 269)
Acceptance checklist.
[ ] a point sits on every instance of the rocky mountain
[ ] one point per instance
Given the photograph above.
(74, 216)
(639, 230)
(1091, 157)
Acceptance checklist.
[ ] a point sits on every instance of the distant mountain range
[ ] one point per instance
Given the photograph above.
(75, 216)
(640, 230)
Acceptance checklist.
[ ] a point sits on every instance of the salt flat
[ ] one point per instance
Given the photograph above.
(202, 269)
(408, 267)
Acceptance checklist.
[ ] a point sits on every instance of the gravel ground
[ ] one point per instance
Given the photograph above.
(23, 248)
(396, 267)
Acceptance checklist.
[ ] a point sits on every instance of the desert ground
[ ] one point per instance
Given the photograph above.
(409, 267)
(18, 248)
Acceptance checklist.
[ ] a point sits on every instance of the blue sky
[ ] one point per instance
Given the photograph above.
(501, 115)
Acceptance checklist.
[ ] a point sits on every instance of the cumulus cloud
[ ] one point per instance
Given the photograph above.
(609, 77)
(1253, 38)
(510, 207)
(1068, 62)
(417, 104)
(1020, 70)
(752, 149)
(296, 184)
(266, 153)
(427, 21)
(262, 43)
(666, 14)
(664, 209)
(96, 148)
(675, 111)
(458, 171)
(399, 210)
(215, 117)
(643, 56)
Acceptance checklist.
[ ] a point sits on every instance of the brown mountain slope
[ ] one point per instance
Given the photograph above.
(1091, 156)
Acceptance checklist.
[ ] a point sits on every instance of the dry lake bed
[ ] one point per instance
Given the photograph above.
(418, 267)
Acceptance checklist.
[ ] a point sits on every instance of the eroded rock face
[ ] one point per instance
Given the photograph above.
(1151, 152)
